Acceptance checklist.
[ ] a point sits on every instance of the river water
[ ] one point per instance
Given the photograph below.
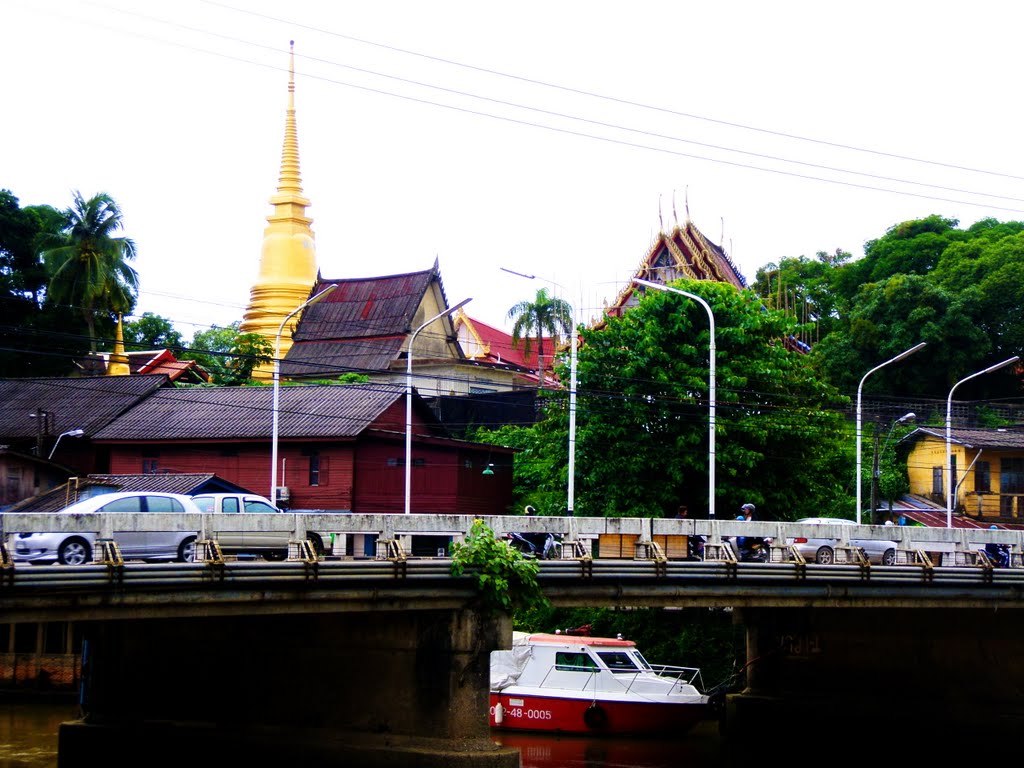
(28, 739)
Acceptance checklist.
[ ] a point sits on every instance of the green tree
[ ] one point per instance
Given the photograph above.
(642, 414)
(88, 265)
(151, 332)
(532, 319)
(229, 355)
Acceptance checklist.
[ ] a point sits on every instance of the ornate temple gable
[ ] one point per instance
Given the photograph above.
(682, 253)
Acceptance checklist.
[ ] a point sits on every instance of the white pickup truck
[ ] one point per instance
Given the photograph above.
(270, 545)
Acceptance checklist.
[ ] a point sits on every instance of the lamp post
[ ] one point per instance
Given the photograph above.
(408, 400)
(711, 384)
(874, 471)
(860, 386)
(949, 435)
(69, 433)
(277, 385)
(570, 500)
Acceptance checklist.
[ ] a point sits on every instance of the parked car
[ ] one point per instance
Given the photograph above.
(822, 550)
(271, 545)
(77, 548)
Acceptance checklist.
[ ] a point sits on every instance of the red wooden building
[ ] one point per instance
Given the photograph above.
(340, 448)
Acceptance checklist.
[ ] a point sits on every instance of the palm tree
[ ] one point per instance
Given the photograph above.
(544, 314)
(88, 267)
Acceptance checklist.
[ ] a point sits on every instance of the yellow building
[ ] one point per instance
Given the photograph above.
(988, 467)
(288, 266)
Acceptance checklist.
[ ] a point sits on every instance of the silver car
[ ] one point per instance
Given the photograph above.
(878, 551)
(77, 548)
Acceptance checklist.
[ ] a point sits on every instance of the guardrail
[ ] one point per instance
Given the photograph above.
(643, 538)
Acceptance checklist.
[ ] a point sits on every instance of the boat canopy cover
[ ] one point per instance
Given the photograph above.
(507, 666)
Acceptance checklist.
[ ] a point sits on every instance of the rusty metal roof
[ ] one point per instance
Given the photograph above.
(245, 413)
(88, 403)
(1008, 439)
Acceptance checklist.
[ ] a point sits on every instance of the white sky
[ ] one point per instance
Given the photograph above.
(177, 110)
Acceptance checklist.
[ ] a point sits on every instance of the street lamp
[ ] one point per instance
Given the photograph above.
(711, 384)
(874, 471)
(277, 385)
(408, 400)
(860, 386)
(69, 433)
(571, 490)
(949, 423)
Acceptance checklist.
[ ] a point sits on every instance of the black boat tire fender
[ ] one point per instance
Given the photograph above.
(595, 717)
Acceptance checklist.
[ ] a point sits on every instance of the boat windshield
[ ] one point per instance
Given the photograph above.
(640, 657)
(617, 661)
(566, 661)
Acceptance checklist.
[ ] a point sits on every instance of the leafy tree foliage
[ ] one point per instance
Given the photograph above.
(88, 265)
(506, 580)
(35, 340)
(230, 355)
(151, 332)
(642, 415)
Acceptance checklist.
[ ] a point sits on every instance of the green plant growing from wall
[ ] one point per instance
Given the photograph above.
(506, 581)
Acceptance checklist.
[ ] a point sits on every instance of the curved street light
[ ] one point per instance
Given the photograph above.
(711, 383)
(69, 433)
(408, 400)
(277, 383)
(860, 386)
(570, 500)
(949, 432)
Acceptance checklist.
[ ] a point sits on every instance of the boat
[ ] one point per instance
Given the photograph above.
(590, 685)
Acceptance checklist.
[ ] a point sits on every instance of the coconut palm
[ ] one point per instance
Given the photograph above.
(87, 265)
(545, 314)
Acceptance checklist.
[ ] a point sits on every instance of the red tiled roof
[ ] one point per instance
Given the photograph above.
(502, 350)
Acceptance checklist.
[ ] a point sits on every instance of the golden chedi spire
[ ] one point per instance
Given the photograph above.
(288, 267)
(117, 363)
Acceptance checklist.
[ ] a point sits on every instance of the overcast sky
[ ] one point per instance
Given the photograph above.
(550, 138)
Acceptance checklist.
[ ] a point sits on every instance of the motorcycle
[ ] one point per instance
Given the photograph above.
(752, 549)
(998, 555)
(543, 546)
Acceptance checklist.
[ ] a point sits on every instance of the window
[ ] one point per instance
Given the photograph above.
(617, 661)
(254, 505)
(229, 505)
(982, 477)
(163, 504)
(937, 481)
(150, 466)
(127, 504)
(314, 468)
(566, 661)
(1011, 476)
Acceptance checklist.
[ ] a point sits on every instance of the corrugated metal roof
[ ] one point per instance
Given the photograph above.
(1010, 439)
(330, 357)
(88, 404)
(245, 413)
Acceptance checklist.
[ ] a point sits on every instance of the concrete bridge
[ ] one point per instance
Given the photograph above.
(385, 661)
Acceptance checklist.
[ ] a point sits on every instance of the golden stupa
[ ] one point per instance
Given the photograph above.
(288, 266)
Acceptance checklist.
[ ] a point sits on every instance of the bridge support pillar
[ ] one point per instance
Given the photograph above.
(395, 688)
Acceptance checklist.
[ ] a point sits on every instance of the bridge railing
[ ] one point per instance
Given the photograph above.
(399, 526)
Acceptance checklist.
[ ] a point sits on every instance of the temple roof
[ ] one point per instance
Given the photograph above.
(360, 326)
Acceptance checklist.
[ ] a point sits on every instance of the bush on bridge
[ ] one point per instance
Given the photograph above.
(506, 580)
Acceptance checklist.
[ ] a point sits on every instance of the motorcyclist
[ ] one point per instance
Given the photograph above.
(997, 553)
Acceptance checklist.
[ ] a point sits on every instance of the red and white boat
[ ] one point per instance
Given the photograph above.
(580, 684)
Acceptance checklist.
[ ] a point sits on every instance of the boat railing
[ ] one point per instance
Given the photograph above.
(627, 679)
(686, 675)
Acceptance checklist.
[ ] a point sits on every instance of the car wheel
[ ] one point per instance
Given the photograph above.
(825, 556)
(74, 552)
(187, 550)
(275, 555)
(317, 543)
(889, 557)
